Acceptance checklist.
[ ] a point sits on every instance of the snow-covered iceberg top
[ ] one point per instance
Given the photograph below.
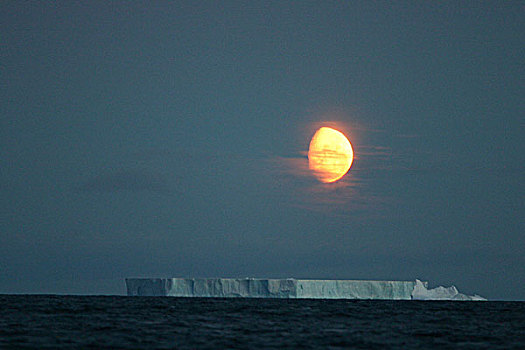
(291, 288)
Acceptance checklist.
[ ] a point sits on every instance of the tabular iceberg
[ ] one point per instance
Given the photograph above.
(290, 288)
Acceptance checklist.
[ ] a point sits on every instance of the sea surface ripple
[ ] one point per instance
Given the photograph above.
(117, 322)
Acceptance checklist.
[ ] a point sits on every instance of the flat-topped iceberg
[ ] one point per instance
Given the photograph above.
(270, 288)
(290, 288)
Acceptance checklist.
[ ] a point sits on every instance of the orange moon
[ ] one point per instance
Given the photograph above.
(330, 155)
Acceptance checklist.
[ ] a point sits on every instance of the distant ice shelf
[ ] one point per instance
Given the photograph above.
(291, 288)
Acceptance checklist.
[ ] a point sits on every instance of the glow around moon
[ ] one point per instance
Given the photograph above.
(330, 155)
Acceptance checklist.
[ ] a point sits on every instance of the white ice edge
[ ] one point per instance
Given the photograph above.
(421, 292)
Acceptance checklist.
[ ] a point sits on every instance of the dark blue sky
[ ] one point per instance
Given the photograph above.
(168, 139)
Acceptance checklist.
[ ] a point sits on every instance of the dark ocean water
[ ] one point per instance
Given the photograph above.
(43, 321)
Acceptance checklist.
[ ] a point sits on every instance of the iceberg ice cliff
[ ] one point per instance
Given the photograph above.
(290, 288)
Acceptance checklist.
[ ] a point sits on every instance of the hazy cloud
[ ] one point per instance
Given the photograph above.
(133, 180)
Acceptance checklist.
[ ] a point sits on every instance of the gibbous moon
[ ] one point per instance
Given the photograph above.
(330, 155)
